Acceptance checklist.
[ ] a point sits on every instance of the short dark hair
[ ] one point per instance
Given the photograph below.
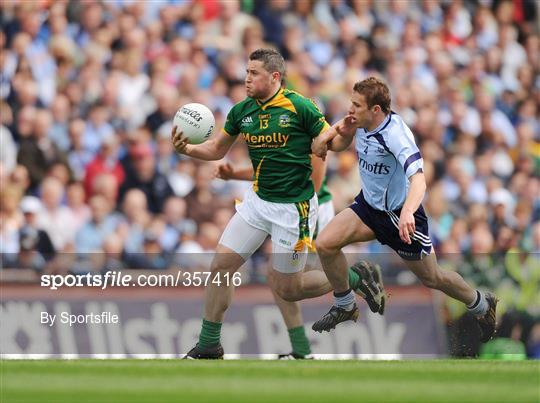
(376, 92)
(271, 59)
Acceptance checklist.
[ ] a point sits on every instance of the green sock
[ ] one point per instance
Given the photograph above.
(354, 279)
(299, 341)
(210, 333)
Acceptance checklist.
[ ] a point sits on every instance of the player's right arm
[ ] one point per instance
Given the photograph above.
(336, 138)
(340, 142)
(213, 149)
(318, 173)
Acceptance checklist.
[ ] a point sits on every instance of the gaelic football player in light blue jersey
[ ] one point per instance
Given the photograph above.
(388, 208)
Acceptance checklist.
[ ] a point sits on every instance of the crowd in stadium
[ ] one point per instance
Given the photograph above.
(88, 91)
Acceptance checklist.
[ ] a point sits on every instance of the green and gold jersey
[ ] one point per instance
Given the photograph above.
(324, 195)
(278, 134)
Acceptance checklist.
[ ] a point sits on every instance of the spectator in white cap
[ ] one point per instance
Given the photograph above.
(31, 207)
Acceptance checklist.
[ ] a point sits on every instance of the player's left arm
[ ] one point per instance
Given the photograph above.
(417, 190)
(401, 143)
(226, 172)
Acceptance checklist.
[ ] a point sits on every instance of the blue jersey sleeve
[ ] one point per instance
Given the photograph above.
(405, 149)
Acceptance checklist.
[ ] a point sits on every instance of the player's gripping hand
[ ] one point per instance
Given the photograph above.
(179, 141)
(406, 226)
(225, 171)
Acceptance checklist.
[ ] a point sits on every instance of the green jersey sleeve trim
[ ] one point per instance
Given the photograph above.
(325, 126)
(313, 120)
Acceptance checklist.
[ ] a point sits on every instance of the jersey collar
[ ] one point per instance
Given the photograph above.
(263, 104)
(381, 127)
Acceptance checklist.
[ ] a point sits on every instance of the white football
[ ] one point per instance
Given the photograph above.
(196, 121)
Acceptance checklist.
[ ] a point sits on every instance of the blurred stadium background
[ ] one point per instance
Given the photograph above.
(90, 183)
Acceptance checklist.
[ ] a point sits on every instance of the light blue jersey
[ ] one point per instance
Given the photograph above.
(387, 157)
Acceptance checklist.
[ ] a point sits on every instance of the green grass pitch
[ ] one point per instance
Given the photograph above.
(269, 381)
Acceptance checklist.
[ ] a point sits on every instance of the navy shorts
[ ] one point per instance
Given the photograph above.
(385, 226)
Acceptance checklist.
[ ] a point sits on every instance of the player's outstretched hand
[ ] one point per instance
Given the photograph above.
(406, 226)
(225, 171)
(179, 141)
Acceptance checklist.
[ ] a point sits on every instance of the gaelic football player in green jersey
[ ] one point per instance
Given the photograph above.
(278, 126)
(290, 311)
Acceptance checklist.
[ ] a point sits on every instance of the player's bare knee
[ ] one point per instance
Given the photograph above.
(292, 296)
(431, 279)
(324, 246)
(289, 293)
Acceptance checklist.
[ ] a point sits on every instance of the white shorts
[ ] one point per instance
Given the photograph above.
(291, 234)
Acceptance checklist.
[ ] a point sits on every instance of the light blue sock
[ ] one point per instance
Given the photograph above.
(345, 300)
(480, 305)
